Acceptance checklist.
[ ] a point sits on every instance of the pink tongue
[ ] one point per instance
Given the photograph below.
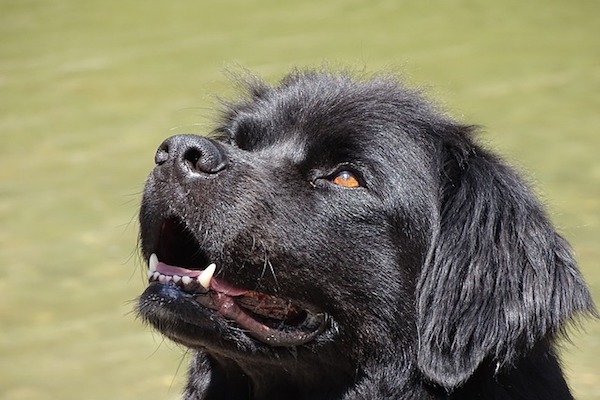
(215, 284)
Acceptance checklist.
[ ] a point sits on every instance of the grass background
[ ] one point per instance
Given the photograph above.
(88, 89)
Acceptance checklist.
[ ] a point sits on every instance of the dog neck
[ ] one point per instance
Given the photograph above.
(219, 377)
(214, 376)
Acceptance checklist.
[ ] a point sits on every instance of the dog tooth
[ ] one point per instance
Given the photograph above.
(162, 278)
(150, 274)
(152, 262)
(155, 275)
(206, 276)
(176, 278)
(186, 280)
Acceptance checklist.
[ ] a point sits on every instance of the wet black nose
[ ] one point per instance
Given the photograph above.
(192, 154)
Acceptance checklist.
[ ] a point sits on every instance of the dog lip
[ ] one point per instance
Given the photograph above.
(223, 287)
(311, 327)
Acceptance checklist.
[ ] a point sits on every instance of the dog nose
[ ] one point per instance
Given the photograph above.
(192, 154)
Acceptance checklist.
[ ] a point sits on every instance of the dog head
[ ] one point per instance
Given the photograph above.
(342, 223)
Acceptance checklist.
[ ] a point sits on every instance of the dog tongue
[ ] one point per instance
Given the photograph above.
(215, 284)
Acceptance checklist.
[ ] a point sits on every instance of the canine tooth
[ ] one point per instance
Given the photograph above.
(155, 275)
(206, 276)
(150, 274)
(186, 280)
(153, 262)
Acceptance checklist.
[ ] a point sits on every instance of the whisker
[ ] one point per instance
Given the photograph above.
(273, 274)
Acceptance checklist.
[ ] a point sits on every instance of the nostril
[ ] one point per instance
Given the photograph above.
(192, 156)
(205, 158)
(162, 155)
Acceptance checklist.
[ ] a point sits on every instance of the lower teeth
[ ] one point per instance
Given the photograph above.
(186, 283)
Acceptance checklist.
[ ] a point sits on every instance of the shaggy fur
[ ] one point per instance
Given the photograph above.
(438, 277)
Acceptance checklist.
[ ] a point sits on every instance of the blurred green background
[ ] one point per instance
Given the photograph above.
(88, 89)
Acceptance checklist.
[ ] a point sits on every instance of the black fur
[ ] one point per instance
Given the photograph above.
(441, 277)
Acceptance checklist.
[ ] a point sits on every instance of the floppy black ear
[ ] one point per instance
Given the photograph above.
(498, 277)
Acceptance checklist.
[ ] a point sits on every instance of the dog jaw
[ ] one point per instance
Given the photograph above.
(269, 319)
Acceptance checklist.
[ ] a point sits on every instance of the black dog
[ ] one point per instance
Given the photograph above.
(338, 238)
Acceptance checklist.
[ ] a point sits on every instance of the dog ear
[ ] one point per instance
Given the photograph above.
(498, 278)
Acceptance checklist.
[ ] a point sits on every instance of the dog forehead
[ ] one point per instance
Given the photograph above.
(324, 119)
(292, 148)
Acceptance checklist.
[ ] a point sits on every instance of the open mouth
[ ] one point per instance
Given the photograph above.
(272, 320)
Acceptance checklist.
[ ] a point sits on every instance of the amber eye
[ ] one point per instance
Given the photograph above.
(346, 179)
